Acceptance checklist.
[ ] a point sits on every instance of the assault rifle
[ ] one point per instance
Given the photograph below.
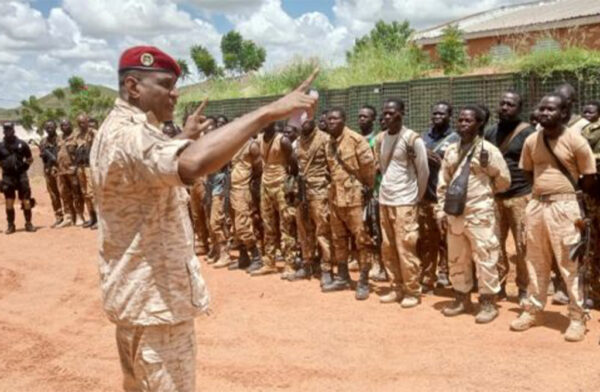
(581, 251)
(302, 198)
(371, 216)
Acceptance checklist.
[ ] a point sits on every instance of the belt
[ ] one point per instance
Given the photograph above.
(556, 197)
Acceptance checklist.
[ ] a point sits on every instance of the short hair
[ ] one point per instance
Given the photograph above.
(593, 102)
(223, 117)
(371, 108)
(561, 97)
(515, 93)
(477, 110)
(396, 101)
(446, 104)
(338, 109)
(211, 118)
(50, 122)
(8, 125)
(486, 113)
(324, 112)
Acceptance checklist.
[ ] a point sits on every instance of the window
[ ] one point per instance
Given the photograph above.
(500, 52)
(545, 44)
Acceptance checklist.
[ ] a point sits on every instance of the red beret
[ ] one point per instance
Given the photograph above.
(148, 58)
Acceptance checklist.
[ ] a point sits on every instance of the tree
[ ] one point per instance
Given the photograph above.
(390, 37)
(240, 55)
(185, 69)
(252, 56)
(76, 84)
(452, 51)
(59, 93)
(204, 61)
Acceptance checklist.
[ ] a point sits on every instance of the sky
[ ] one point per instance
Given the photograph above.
(44, 42)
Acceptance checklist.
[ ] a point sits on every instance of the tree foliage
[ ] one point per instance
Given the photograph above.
(240, 55)
(185, 69)
(451, 51)
(59, 93)
(76, 84)
(205, 62)
(391, 37)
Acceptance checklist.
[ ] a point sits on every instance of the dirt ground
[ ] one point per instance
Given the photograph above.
(266, 334)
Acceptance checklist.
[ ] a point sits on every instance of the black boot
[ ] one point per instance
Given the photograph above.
(92, 222)
(362, 288)
(305, 272)
(256, 260)
(28, 225)
(242, 262)
(10, 219)
(316, 267)
(340, 282)
(326, 278)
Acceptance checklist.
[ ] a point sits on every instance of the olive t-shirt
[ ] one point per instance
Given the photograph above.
(573, 151)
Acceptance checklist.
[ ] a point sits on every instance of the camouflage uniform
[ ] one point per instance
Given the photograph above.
(241, 198)
(197, 200)
(277, 216)
(471, 236)
(51, 173)
(346, 196)
(84, 141)
(67, 179)
(150, 277)
(314, 229)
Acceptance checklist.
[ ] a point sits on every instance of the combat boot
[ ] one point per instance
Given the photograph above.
(92, 222)
(288, 271)
(442, 280)
(560, 298)
(378, 273)
(256, 260)
(326, 278)
(527, 319)
(362, 287)
(28, 225)
(305, 272)
(340, 282)
(10, 218)
(58, 221)
(410, 301)
(65, 223)
(576, 330)
(224, 258)
(487, 310)
(10, 229)
(265, 269)
(79, 221)
(461, 304)
(243, 260)
(213, 255)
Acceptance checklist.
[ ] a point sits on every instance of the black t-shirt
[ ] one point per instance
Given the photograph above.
(496, 135)
(14, 157)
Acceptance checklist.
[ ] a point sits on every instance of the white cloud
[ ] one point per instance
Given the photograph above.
(226, 6)
(9, 58)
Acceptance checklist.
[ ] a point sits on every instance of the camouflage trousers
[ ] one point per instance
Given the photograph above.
(241, 204)
(84, 177)
(314, 230)
(550, 234)
(400, 229)
(54, 193)
(593, 207)
(218, 231)
(278, 221)
(71, 195)
(431, 246)
(473, 244)
(346, 224)
(158, 358)
(197, 194)
(510, 214)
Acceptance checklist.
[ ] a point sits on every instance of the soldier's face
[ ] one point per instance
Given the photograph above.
(591, 113)
(468, 126)
(307, 127)
(366, 117)
(323, 123)
(9, 133)
(66, 128)
(551, 114)
(392, 115)
(509, 108)
(335, 123)
(440, 116)
(156, 93)
(50, 128)
(82, 123)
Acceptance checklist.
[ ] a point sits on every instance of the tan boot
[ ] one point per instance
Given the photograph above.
(526, 320)
(462, 304)
(576, 331)
(79, 221)
(65, 223)
(224, 258)
(288, 272)
(264, 270)
(390, 298)
(487, 311)
(410, 301)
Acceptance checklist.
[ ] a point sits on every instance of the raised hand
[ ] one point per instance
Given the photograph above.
(296, 100)
(196, 123)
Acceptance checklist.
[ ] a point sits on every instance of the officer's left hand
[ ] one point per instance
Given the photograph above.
(196, 123)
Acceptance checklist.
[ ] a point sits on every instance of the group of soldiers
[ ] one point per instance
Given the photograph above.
(419, 210)
(66, 162)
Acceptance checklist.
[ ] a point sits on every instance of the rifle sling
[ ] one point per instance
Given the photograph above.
(561, 166)
(346, 168)
(507, 140)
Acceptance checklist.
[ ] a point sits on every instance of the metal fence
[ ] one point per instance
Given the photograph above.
(419, 95)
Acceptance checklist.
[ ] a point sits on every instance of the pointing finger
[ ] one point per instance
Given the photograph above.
(200, 108)
(306, 84)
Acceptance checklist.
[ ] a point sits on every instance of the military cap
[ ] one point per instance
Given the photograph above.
(148, 58)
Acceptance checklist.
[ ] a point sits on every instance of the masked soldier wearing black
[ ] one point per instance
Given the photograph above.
(15, 159)
(49, 155)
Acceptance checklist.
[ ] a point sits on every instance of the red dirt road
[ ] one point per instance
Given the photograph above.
(266, 334)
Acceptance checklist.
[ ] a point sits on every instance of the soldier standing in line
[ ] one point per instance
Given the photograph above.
(472, 171)
(509, 136)
(312, 209)
(352, 167)
(554, 159)
(277, 215)
(83, 139)
(67, 177)
(49, 154)
(573, 120)
(244, 163)
(403, 163)
(431, 246)
(15, 160)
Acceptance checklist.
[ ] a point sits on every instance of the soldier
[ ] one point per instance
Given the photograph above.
(403, 163)
(554, 159)
(431, 246)
(322, 124)
(244, 164)
(352, 167)
(313, 210)
(277, 215)
(573, 120)
(509, 136)
(146, 241)
(84, 138)
(15, 159)
(67, 177)
(472, 171)
(49, 153)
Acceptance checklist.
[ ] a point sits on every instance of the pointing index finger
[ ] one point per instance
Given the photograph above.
(306, 84)
(200, 108)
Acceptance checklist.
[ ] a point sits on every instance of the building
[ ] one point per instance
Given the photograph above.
(523, 27)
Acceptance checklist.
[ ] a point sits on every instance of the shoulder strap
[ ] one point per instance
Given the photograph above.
(506, 143)
(468, 155)
(344, 166)
(388, 158)
(561, 166)
(310, 160)
(441, 142)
